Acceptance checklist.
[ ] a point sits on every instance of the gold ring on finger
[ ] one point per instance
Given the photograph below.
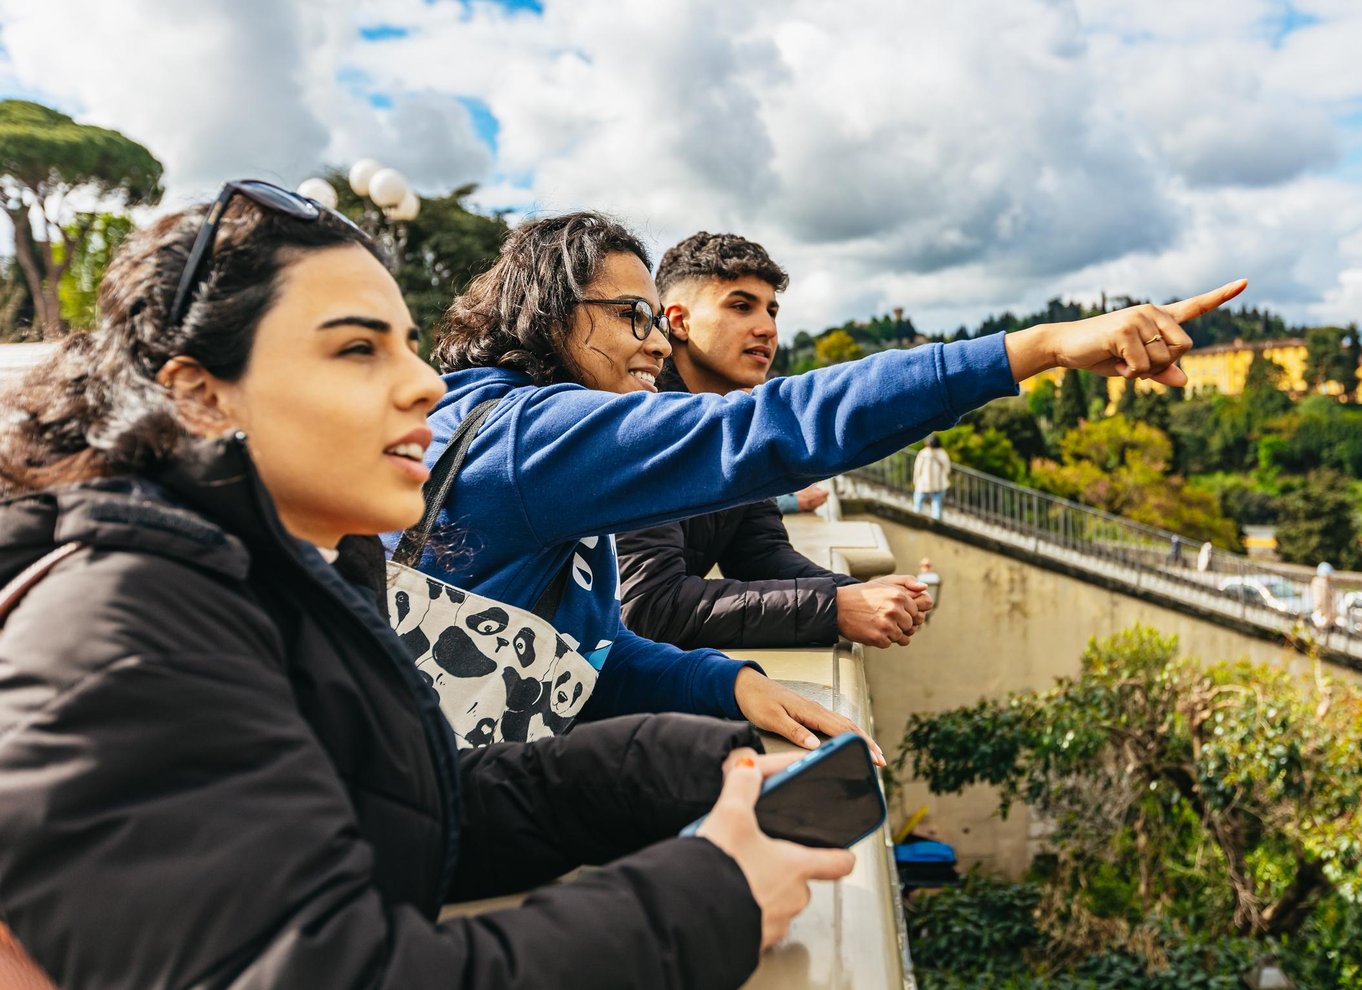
(1155, 339)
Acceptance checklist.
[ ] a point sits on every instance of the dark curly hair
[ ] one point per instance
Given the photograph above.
(94, 409)
(518, 313)
(722, 256)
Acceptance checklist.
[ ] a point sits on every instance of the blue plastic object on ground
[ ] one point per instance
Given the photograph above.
(924, 863)
(923, 851)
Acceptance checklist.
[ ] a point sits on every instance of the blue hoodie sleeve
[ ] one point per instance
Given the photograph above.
(588, 462)
(642, 676)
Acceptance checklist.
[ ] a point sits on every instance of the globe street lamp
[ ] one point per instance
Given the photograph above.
(388, 200)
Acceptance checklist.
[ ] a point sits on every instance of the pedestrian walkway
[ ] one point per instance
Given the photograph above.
(1143, 561)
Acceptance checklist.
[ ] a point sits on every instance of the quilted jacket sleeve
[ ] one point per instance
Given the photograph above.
(770, 595)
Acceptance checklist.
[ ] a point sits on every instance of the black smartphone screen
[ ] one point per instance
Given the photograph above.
(831, 802)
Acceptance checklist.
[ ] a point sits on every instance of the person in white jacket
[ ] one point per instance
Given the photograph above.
(931, 475)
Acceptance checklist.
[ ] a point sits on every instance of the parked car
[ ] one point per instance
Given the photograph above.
(1267, 591)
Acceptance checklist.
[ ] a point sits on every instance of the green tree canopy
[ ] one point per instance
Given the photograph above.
(1329, 359)
(45, 156)
(1264, 374)
(1122, 468)
(984, 449)
(1125, 405)
(835, 347)
(1319, 522)
(92, 249)
(1014, 419)
(444, 247)
(1041, 400)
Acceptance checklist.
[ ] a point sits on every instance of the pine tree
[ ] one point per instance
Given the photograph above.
(1072, 406)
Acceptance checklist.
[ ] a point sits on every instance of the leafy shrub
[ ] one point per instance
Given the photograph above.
(1203, 816)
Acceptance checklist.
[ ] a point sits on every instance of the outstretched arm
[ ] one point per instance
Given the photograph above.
(659, 458)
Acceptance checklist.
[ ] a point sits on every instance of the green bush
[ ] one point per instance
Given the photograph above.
(1204, 816)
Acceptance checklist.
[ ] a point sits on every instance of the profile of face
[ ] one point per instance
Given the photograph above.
(333, 399)
(725, 331)
(601, 341)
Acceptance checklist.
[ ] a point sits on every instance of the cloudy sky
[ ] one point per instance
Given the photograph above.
(955, 157)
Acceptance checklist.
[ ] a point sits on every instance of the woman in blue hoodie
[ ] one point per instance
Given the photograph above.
(566, 330)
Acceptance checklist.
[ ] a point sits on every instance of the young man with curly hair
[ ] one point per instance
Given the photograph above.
(719, 294)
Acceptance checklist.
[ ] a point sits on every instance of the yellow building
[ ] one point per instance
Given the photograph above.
(1223, 367)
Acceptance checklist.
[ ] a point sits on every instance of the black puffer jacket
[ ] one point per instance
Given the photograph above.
(770, 594)
(219, 769)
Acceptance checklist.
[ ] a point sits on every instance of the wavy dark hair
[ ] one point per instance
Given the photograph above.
(518, 313)
(94, 408)
(721, 256)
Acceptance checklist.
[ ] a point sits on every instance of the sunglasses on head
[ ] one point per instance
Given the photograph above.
(263, 194)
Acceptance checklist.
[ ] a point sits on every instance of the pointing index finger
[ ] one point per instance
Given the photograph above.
(1190, 309)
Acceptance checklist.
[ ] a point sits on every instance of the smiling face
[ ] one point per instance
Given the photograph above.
(333, 399)
(601, 342)
(725, 331)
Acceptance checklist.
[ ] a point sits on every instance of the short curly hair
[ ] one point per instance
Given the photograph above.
(722, 256)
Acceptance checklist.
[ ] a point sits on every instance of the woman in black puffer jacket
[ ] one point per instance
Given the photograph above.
(217, 765)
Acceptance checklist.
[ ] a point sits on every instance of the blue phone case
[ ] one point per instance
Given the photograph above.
(802, 765)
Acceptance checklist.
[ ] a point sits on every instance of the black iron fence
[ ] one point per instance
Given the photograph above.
(1144, 557)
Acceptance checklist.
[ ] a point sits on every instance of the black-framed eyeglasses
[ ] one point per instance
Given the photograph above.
(642, 319)
(265, 194)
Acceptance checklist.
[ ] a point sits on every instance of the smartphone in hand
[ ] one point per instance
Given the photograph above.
(830, 798)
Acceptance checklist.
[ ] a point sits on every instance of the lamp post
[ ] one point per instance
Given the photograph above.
(389, 203)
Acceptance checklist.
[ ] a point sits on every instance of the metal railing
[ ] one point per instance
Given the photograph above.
(1144, 558)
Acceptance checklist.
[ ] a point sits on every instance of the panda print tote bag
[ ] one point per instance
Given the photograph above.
(503, 674)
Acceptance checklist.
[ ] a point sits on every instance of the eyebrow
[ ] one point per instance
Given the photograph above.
(749, 296)
(367, 322)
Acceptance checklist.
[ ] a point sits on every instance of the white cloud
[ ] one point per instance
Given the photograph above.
(955, 159)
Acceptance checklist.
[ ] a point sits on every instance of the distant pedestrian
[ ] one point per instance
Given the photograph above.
(931, 475)
(1203, 557)
(1175, 551)
(1322, 591)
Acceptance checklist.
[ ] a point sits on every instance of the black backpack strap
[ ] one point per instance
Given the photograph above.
(442, 475)
(12, 592)
(547, 606)
(441, 480)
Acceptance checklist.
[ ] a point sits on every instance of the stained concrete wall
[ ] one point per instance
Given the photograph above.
(1005, 625)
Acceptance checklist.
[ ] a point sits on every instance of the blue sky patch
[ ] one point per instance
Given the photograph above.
(533, 6)
(361, 86)
(1350, 167)
(1290, 20)
(382, 32)
(485, 123)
